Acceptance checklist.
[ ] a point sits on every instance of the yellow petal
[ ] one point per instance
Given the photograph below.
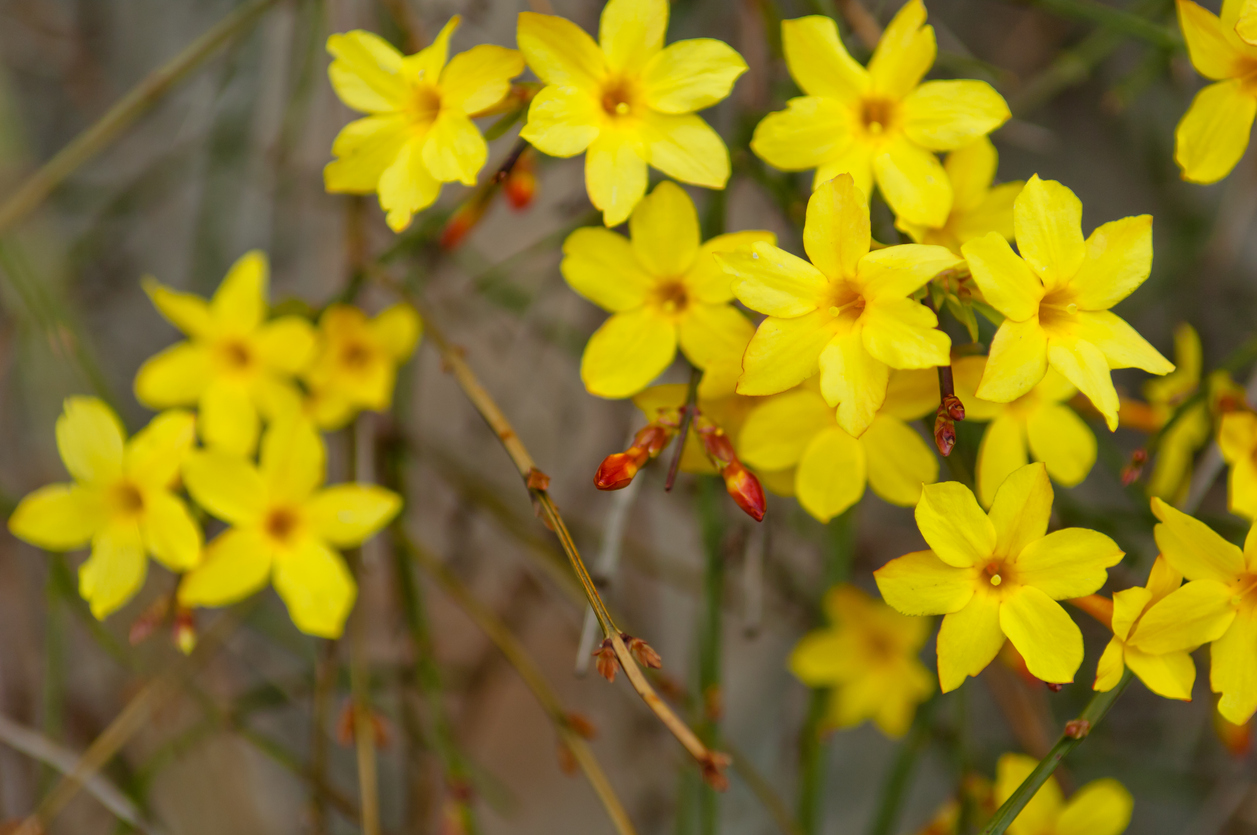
(854, 380)
(1111, 666)
(1196, 614)
(349, 514)
(1001, 453)
(627, 353)
(1215, 52)
(364, 149)
(1121, 344)
(187, 312)
(1006, 281)
(691, 75)
(921, 584)
(1170, 676)
(59, 517)
(905, 53)
(818, 61)
(911, 394)
(946, 115)
(808, 133)
(176, 376)
(1102, 807)
(784, 353)
(831, 474)
(1214, 133)
(454, 149)
(479, 78)
(969, 639)
(317, 588)
(562, 121)
(1186, 376)
(285, 344)
(1018, 361)
(615, 176)
(902, 333)
(1233, 668)
(293, 460)
(154, 456)
(1062, 441)
(707, 279)
(397, 329)
(1192, 547)
(836, 233)
(426, 64)
(1084, 365)
(631, 31)
(686, 148)
(954, 525)
(116, 569)
(1246, 27)
(854, 158)
(239, 303)
(227, 486)
(967, 373)
(1021, 509)
(229, 420)
(899, 461)
(1043, 633)
(898, 271)
(1241, 498)
(366, 71)
(778, 429)
(1163, 578)
(170, 533)
(664, 231)
(407, 186)
(1237, 436)
(971, 169)
(993, 214)
(560, 52)
(774, 282)
(237, 564)
(1041, 812)
(1119, 258)
(913, 181)
(1071, 562)
(602, 267)
(90, 440)
(1047, 218)
(823, 658)
(714, 333)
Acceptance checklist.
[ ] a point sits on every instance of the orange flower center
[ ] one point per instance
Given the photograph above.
(1057, 309)
(281, 523)
(235, 355)
(877, 115)
(844, 301)
(127, 498)
(1246, 591)
(672, 296)
(997, 573)
(618, 98)
(355, 355)
(425, 105)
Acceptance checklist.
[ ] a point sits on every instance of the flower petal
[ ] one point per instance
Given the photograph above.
(406, 186)
(631, 31)
(691, 75)
(854, 380)
(479, 78)
(1041, 813)
(1018, 361)
(1111, 666)
(664, 231)
(365, 148)
(426, 64)
(1006, 281)
(366, 71)
(969, 639)
(954, 525)
(911, 394)
(831, 474)
(1063, 441)
(1001, 453)
(349, 514)
(921, 584)
(971, 169)
(229, 420)
(60, 517)
(1084, 365)
(1121, 344)
(317, 588)
(116, 569)
(1214, 133)
(562, 121)
(774, 282)
(823, 658)
(560, 52)
(293, 460)
(836, 233)
(187, 312)
(170, 533)
(1233, 668)
(784, 352)
(1102, 807)
(237, 563)
(1196, 614)
(239, 304)
(901, 270)
(1170, 676)
(1043, 633)
(90, 440)
(285, 344)
(686, 148)
(818, 61)
(778, 429)
(397, 329)
(854, 158)
(1119, 258)
(1192, 547)
(601, 266)
(714, 333)
(454, 150)
(615, 176)
(1047, 218)
(176, 376)
(227, 486)
(1215, 51)
(1021, 509)
(993, 214)
(628, 352)
(1071, 562)
(913, 181)
(946, 115)
(707, 279)
(810, 132)
(899, 460)
(905, 52)
(903, 333)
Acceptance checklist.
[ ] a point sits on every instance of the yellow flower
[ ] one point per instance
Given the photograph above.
(976, 208)
(1246, 28)
(869, 655)
(999, 575)
(355, 366)
(1171, 474)
(284, 528)
(1038, 423)
(848, 313)
(797, 429)
(419, 133)
(627, 101)
(879, 123)
(235, 364)
(1056, 297)
(120, 501)
(1219, 605)
(662, 286)
(1237, 437)
(1102, 807)
(1169, 674)
(1214, 132)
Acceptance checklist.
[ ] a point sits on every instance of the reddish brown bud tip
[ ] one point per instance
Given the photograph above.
(746, 490)
(184, 633)
(1238, 739)
(714, 770)
(955, 409)
(537, 480)
(460, 224)
(521, 183)
(718, 446)
(1077, 728)
(1132, 471)
(944, 432)
(148, 621)
(567, 760)
(605, 660)
(643, 652)
(616, 471)
(581, 725)
(1055, 687)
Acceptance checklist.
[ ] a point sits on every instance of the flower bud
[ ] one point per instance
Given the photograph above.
(745, 489)
(643, 652)
(605, 660)
(464, 219)
(521, 182)
(617, 470)
(1238, 739)
(955, 409)
(184, 633)
(944, 432)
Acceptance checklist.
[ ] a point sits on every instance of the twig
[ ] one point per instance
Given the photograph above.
(753, 581)
(91, 141)
(324, 680)
(687, 418)
(763, 790)
(890, 804)
(359, 675)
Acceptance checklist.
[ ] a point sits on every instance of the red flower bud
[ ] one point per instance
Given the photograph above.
(955, 409)
(463, 220)
(521, 183)
(617, 471)
(944, 432)
(745, 489)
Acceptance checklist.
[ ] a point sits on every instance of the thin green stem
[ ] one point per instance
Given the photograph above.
(713, 525)
(1118, 20)
(324, 682)
(899, 778)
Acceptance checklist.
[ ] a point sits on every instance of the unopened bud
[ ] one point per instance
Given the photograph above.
(605, 660)
(346, 729)
(1077, 728)
(1054, 686)
(1134, 469)
(1237, 739)
(714, 770)
(184, 633)
(148, 621)
(944, 432)
(643, 652)
(521, 182)
(581, 725)
(567, 760)
(955, 409)
(745, 489)
(463, 220)
(617, 470)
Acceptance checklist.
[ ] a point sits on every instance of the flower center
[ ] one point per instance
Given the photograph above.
(880, 646)
(281, 523)
(426, 104)
(672, 296)
(1246, 592)
(844, 301)
(618, 98)
(355, 355)
(236, 355)
(127, 498)
(877, 115)
(997, 573)
(1057, 309)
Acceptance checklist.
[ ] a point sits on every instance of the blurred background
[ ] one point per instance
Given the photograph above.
(230, 159)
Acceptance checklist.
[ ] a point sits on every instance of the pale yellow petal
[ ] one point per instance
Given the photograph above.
(366, 71)
(1193, 548)
(898, 271)
(631, 31)
(1063, 441)
(227, 486)
(1047, 218)
(913, 181)
(116, 569)
(601, 266)
(686, 148)
(905, 52)
(818, 61)
(1214, 48)
(560, 52)
(240, 302)
(1070, 562)
(397, 329)
(903, 333)
(953, 524)
(1084, 365)
(426, 64)
(1196, 614)
(237, 563)
(921, 584)
(946, 115)
(1040, 814)
(285, 344)
(774, 282)
(479, 78)
(969, 640)
(707, 279)
(691, 75)
(711, 334)
(562, 121)
(899, 461)
(1043, 633)
(1119, 258)
(454, 150)
(1021, 509)
(854, 158)
(176, 376)
(911, 394)
(1018, 361)
(365, 149)
(187, 312)
(62, 517)
(831, 474)
(346, 515)
(1102, 807)
(1170, 675)
(1006, 281)
(1110, 667)
(90, 439)
(229, 420)
(664, 231)
(316, 586)
(778, 429)
(1121, 344)
(1214, 133)
(406, 186)
(810, 132)
(836, 232)
(1001, 453)
(993, 214)
(171, 535)
(1233, 668)
(854, 380)
(784, 353)
(628, 352)
(615, 176)
(971, 169)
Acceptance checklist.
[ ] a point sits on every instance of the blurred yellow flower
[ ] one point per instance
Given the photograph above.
(419, 132)
(848, 313)
(999, 575)
(1056, 297)
(879, 123)
(1039, 424)
(1102, 807)
(796, 429)
(869, 656)
(1169, 674)
(355, 366)
(1237, 437)
(1219, 605)
(627, 101)
(1214, 132)
(284, 528)
(1171, 472)
(663, 287)
(235, 363)
(977, 208)
(120, 501)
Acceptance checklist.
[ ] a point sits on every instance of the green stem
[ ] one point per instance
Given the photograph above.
(1118, 20)
(1091, 714)
(712, 524)
(900, 776)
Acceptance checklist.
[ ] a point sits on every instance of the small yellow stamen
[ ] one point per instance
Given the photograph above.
(996, 579)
